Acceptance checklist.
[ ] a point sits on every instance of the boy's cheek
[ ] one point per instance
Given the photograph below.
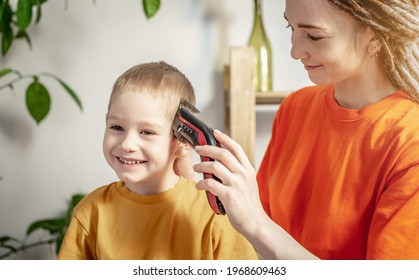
(108, 142)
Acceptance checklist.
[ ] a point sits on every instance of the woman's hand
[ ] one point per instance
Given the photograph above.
(238, 189)
(239, 193)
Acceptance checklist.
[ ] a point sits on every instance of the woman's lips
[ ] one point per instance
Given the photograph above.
(311, 67)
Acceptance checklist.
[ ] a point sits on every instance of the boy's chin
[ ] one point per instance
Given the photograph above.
(130, 178)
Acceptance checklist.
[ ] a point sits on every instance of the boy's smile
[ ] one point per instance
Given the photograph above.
(130, 161)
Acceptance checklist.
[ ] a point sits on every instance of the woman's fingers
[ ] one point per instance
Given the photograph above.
(213, 167)
(213, 186)
(230, 164)
(231, 156)
(220, 155)
(232, 146)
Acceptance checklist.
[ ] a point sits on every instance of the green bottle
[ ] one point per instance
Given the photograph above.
(259, 40)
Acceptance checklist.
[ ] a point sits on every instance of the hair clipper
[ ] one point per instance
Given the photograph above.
(189, 129)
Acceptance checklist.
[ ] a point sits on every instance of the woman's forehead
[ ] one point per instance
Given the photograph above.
(318, 14)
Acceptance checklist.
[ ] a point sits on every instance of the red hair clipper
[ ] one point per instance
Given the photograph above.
(189, 129)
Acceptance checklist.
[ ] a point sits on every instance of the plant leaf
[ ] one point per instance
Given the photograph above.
(59, 241)
(38, 13)
(38, 101)
(24, 13)
(2, 7)
(4, 239)
(7, 39)
(51, 225)
(70, 92)
(23, 34)
(75, 199)
(38, 4)
(5, 71)
(6, 13)
(151, 7)
(5, 243)
(6, 28)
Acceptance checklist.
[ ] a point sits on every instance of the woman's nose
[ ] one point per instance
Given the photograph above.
(298, 50)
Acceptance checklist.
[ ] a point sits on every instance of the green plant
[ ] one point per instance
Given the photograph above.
(38, 99)
(151, 7)
(14, 21)
(56, 228)
(13, 25)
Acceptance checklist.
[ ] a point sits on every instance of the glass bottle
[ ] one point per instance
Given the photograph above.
(259, 41)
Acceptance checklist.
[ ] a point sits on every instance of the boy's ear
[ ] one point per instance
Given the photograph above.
(184, 162)
(183, 150)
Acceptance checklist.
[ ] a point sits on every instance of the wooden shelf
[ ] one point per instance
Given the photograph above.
(270, 98)
(241, 99)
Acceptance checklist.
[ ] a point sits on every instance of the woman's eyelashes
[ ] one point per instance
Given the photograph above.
(307, 34)
(313, 38)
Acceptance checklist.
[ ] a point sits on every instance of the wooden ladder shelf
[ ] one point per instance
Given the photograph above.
(241, 99)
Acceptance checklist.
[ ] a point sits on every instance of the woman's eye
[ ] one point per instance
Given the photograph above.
(116, 128)
(313, 38)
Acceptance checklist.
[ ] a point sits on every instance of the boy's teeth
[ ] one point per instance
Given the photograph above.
(129, 161)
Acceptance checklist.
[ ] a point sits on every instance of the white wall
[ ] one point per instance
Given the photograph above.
(89, 45)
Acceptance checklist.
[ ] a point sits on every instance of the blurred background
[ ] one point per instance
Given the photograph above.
(88, 44)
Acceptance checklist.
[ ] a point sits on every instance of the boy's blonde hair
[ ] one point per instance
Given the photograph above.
(158, 79)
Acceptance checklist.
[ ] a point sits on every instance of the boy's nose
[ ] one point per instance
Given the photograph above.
(130, 143)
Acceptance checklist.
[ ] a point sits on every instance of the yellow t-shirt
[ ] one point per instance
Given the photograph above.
(114, 223)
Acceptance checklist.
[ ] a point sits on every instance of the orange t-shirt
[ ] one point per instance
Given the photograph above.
(345, 183)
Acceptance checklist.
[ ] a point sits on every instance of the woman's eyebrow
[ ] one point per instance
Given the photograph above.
(306, 26)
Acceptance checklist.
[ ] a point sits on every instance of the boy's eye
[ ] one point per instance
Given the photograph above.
(116, 128)
(147, 132)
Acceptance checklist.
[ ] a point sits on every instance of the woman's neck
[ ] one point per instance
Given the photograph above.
(365, 89)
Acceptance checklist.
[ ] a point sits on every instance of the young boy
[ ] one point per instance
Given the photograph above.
(151, 213)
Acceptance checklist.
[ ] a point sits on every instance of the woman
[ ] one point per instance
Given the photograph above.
(340, 177)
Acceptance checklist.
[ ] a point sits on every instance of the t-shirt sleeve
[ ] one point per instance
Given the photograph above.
(264, 171)
(228, 244)
(395, 225)
(77, 244)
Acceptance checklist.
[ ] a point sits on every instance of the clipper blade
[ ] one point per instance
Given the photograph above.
(188, 106)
